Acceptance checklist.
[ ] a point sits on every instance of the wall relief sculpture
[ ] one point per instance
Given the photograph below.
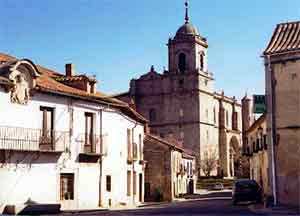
(20, 90)
(19, 78)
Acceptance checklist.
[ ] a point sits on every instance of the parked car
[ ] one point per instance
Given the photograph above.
(246, 190)
(217, 186)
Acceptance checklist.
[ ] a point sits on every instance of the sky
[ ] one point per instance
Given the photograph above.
(118, 40)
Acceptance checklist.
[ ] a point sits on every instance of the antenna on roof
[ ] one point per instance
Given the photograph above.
(186, 12)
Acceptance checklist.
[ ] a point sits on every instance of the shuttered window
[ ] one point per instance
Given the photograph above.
(129, 144)
(128, 183)
(134, 183)
(108, 183)
(141, 147)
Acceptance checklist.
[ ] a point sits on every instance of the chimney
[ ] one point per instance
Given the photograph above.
(70, 70)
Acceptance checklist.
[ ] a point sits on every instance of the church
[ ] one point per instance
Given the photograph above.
(181, 103)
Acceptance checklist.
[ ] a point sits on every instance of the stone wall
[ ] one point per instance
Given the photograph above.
(287, 106)
(158, 170)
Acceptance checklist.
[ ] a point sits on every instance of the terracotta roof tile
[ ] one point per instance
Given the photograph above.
(47, 82)
(286, 37)
(5, 57)
(259, 121)
(172, 143)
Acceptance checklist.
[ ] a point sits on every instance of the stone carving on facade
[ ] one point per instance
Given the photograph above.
(20, 90)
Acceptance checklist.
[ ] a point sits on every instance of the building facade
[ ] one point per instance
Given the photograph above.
(282, 64)
(256, 150)
(62, 142)
(170, 170)
(181, 102)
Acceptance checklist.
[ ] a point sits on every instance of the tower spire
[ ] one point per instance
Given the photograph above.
(186, 11)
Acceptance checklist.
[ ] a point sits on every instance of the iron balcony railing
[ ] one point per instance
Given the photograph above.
(92, 144)
(25, 139)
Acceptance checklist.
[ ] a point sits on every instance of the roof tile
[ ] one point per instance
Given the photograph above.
(286, 37)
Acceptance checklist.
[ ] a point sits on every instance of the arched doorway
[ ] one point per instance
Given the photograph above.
(234, 157)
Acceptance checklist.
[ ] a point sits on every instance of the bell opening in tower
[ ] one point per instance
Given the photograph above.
(182, 62)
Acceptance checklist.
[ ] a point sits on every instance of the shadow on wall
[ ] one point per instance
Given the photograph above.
(28, 158)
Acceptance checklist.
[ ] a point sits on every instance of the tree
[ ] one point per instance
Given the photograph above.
(209, 161)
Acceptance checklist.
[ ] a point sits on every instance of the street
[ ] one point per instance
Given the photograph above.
(219, 204)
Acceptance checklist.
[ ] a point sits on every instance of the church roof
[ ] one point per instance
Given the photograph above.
(286, 37)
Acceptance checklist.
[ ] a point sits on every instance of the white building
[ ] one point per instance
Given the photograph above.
(61, 142)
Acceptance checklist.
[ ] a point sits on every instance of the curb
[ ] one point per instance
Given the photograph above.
(153, 204)
(83, 211)
(274, 210)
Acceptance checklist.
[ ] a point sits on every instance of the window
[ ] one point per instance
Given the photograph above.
(234, 120)
(181, 112)
(227, 120)
(265, 142)
(89, 133)
(47, 120)
(47, 126)
(181, 82)
(207, 135)
(182, 62)
(134, 182)
(201, 61)
(135, 151)
(108, 183)
(128, 183)
(67, 186)
(141, 147)
(206, 113)
(181, 135)
(215, 120)
(129, 144)
(152, 115)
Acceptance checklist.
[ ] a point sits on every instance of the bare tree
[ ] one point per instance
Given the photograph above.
(209, 161)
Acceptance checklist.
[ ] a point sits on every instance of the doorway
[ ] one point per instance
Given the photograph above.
(140, 187)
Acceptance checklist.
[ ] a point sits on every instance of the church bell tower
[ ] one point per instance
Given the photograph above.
(187, 50)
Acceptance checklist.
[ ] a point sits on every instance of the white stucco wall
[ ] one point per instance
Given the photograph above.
(36, 175)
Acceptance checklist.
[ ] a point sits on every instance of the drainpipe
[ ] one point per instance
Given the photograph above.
(272, 119)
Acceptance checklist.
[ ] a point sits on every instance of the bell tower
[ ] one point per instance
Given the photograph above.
(187, 50)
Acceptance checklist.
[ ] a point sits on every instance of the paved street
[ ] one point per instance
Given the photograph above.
(219, 204)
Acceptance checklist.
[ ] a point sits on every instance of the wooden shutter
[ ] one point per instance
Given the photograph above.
(134, 182)
(128, 183)
(129, 147)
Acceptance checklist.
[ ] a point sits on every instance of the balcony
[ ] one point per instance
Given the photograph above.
(25, 139)
(92, 144)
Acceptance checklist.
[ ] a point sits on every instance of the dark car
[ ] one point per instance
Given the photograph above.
(246, 190)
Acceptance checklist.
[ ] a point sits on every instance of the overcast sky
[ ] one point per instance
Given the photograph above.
(118, 40)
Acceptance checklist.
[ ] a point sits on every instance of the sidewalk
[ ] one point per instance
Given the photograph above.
(278, 210)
